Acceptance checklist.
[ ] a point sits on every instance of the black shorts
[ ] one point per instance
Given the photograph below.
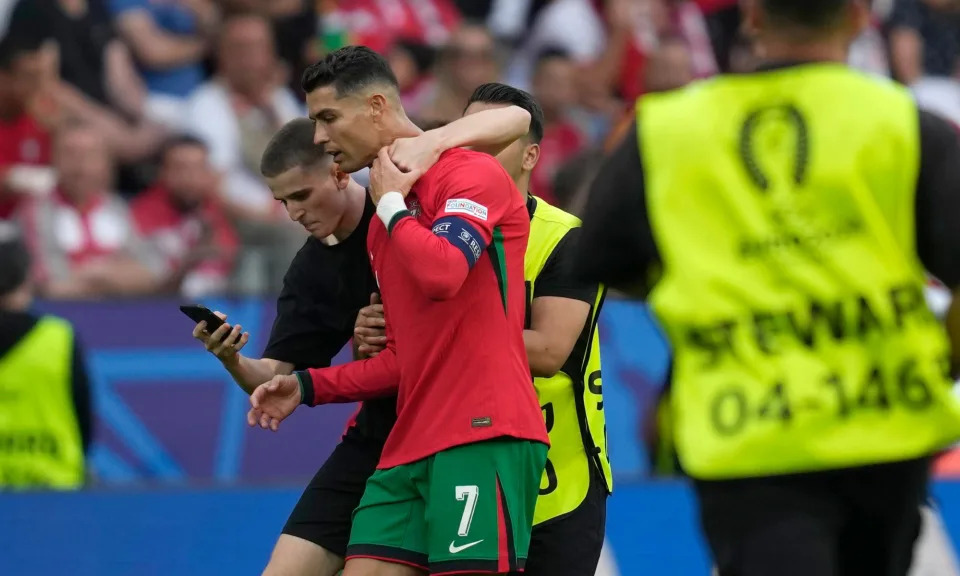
(570, 545)
(858, 521)
(325, 510)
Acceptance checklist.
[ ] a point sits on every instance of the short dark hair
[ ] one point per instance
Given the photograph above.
(811, 14)
(497, 93)
(14, 259)
(292, 147)
(179, 140)
(348, 70)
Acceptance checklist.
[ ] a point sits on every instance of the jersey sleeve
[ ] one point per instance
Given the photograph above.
(376, 377)
(473, 196)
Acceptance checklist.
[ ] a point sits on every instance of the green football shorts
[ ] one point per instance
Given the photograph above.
(465, 509)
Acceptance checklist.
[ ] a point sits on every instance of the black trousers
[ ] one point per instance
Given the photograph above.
(852, 522)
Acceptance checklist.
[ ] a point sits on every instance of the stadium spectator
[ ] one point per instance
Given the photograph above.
(92, 58)
(508, 20)
(723, 23)
(93, 79)
(925, 52)
(572, 25)
(235, 114)
(688, 22)
(295, 26)
(182, 218)
(869, 51)
(379, 24)
(412, 64)
(24, 139)
(467, 61)
(554, 86)
(45, 415)
(637, 28)
(82, 236)
(670, 67)
(924, 40)
(169, 41)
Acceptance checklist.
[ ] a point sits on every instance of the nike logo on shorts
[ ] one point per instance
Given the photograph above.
(454, 549)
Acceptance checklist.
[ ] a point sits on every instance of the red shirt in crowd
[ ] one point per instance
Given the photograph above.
(378, 23)
(64, 235)
(22, 141)
(451, 273)
(177, 233)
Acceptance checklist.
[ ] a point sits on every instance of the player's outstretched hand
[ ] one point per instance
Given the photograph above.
(370, 329)
(386, 177)
(273, 401)
(225, 342)
(418, 153)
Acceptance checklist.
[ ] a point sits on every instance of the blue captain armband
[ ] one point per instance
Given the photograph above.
(462, 236)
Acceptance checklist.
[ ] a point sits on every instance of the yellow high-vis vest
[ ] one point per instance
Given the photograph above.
(782, 204)
(571, 400)
(40, 444)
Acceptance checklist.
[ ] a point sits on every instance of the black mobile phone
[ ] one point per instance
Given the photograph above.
(199, 314)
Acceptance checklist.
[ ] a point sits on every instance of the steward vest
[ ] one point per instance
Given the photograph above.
(782, 205)
(40, 444)
(571, 400)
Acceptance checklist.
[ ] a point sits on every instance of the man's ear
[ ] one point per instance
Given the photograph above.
(341, 177)
(531, 155)
(377, 104)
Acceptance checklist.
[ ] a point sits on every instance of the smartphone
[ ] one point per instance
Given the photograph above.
(199, 314)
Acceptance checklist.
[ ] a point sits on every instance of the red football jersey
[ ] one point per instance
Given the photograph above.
(450, 271)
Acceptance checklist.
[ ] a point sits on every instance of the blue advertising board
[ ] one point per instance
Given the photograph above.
(168, 412)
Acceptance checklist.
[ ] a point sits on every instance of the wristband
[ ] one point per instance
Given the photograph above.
(306, 387)
(391, 208)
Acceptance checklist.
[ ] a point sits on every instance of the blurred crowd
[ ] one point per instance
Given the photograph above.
(131, 130)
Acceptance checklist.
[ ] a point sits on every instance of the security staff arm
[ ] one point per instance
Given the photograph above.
(560, 310)
(489, 131)
(555, 326)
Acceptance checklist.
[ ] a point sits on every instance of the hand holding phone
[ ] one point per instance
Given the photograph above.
(219, 337)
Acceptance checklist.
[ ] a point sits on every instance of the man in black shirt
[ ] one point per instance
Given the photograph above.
(327, 283)
(830, 520)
